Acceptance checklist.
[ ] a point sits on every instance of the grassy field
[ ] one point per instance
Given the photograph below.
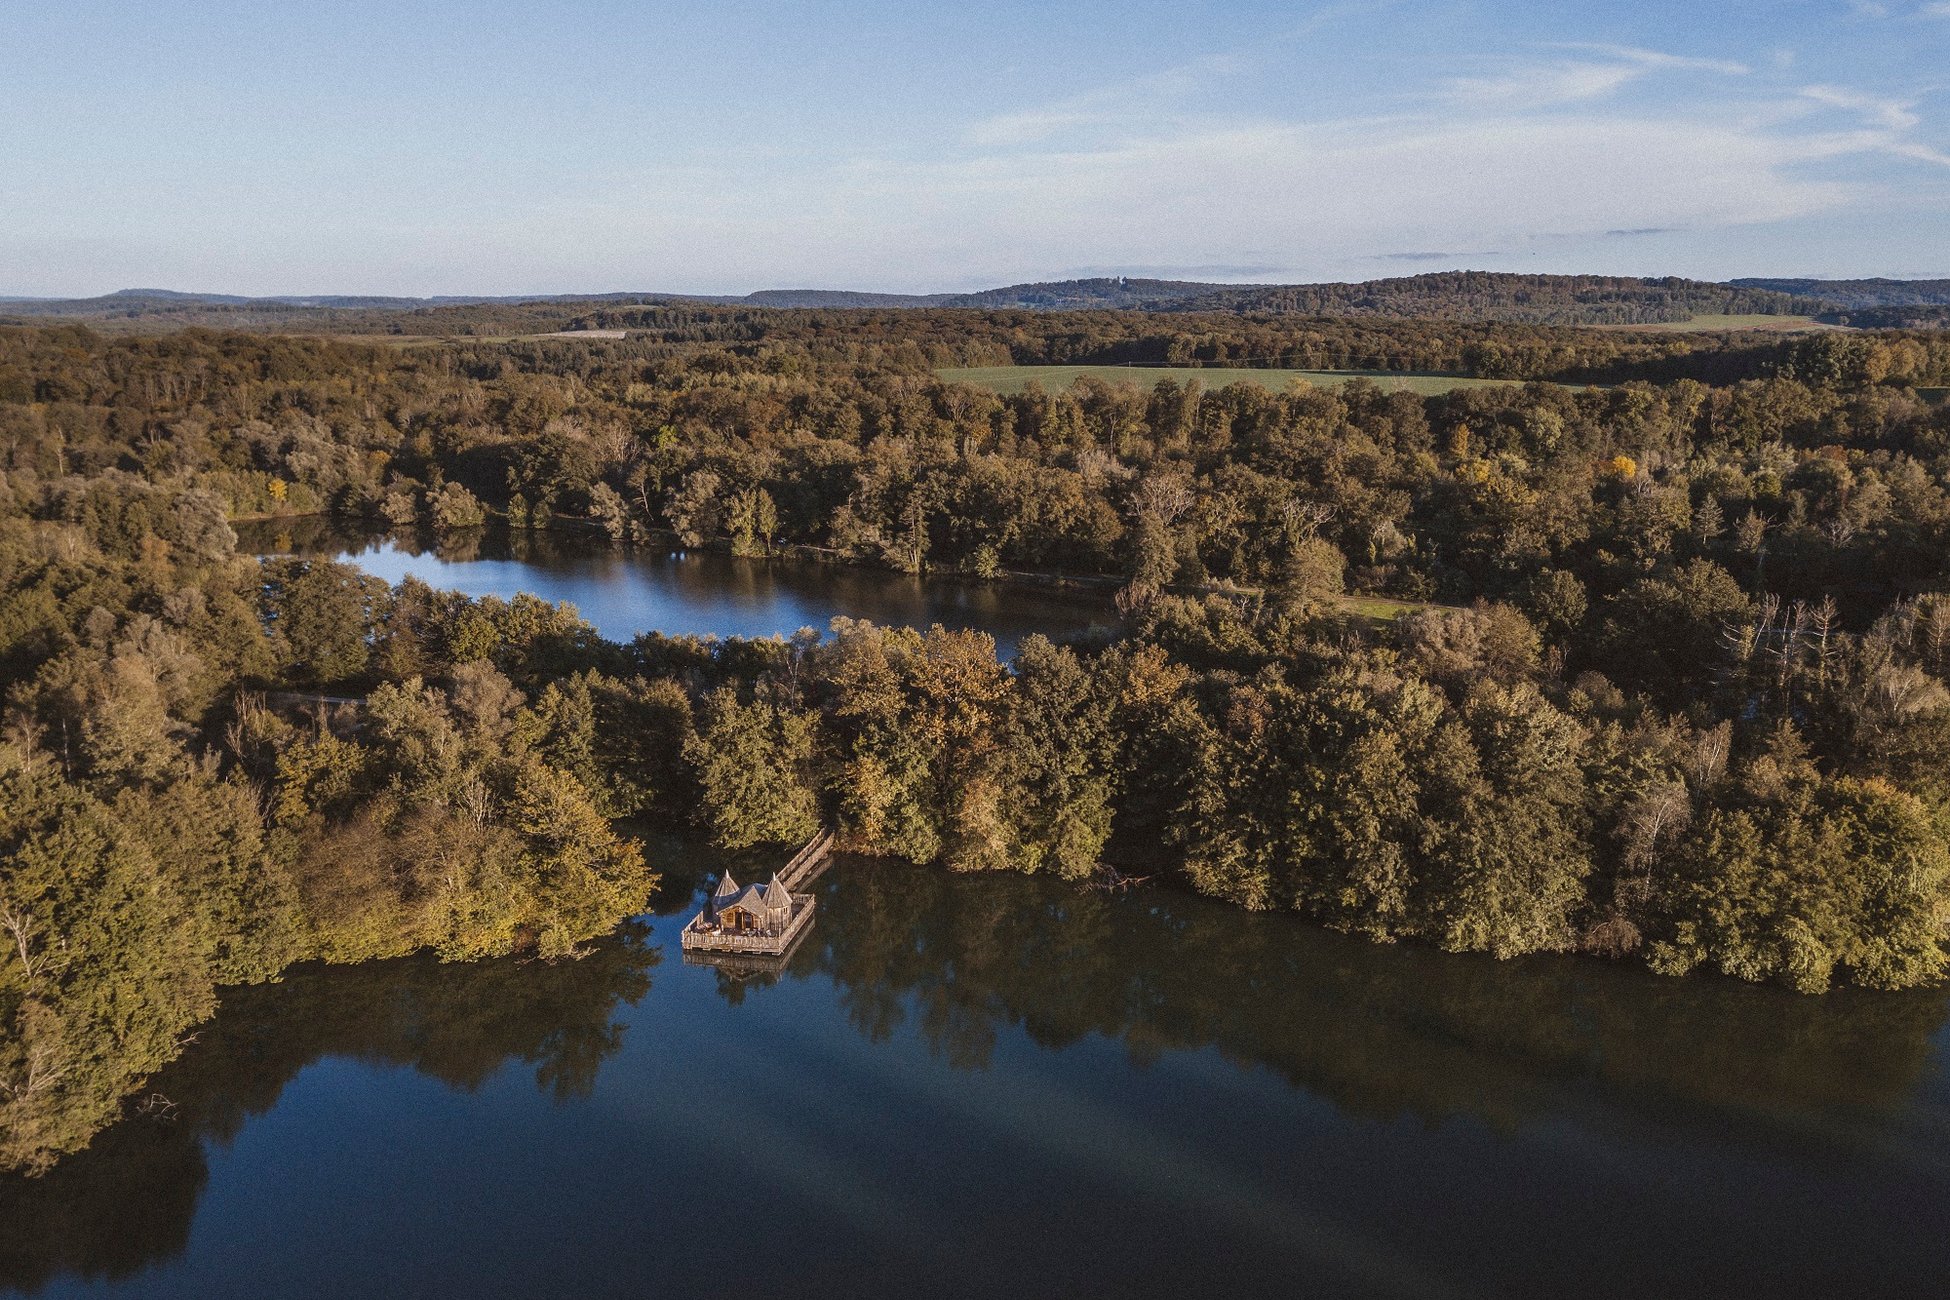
(1381, 609)
(1013, 379)
(1702, 324)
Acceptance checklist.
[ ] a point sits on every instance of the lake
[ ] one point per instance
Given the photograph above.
(997, 1085)
(622, 591)
(981, 1086)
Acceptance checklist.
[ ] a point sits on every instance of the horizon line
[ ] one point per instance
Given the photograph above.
(541, 294)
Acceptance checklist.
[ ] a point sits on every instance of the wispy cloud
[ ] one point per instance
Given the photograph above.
(1156, 98)
(1876, 9)
(1321, 194)
(1109, 106)
(1894, 114)
(1888, 125)
(1659, 58)
(1540, 84)
(1492, 159)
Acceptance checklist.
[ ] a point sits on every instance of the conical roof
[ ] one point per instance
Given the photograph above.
(776, 894)
(726, 887)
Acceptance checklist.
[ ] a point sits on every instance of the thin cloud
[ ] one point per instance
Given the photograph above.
(1565, 81)
(1302, 196)
(1920, 152)
(1318, 193)
(1157, 96)
(1541, 85)
(1109, 106)
(1894, 114)
(1659, 58)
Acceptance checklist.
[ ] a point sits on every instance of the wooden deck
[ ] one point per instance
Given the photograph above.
(701, 936)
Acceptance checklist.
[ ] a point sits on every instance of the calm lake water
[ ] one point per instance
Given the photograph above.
(623, 591)
(983, 1086)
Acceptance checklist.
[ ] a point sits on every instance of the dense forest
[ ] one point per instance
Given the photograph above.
(1854, 295)
(1917, 317)
(1486, 295)
(947, 338)
(1671, 686)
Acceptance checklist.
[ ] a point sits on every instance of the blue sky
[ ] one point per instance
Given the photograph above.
(492, 147)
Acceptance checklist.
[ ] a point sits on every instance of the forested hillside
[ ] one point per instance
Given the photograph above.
(1458, 296)
(1852, 295)
(1487, 295)
(1677, 694)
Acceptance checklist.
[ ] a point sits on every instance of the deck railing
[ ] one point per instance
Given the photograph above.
(806, 858)
(710, 939)
(702, 937)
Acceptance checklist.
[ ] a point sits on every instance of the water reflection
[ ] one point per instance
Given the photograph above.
(623, 591)
(1382, 1032)
(1071, 1092)
(127, 1202)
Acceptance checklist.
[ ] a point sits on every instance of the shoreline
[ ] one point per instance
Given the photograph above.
(1369, 604)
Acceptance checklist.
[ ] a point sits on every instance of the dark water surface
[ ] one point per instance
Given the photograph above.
(1003, 1086)
(623, 591)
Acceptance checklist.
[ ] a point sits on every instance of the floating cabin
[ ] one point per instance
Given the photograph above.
(749, 919)
(759, 920)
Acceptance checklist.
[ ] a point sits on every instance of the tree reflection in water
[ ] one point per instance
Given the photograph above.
(127, 1201)
(961, 963)
(1380, 1031)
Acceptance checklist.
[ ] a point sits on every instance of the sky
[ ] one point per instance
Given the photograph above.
(568, 147)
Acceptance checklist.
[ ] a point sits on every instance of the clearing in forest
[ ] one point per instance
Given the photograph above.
(1009, 380)
(1709, 323)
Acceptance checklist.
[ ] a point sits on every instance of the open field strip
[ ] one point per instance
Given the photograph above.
(1009, 380)
(1709, 323)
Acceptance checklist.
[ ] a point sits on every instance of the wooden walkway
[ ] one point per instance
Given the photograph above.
(808, 863)
(703, 936)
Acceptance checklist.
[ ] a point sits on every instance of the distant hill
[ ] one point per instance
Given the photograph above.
(1916, 317)
(1852, 294)
(236, 310)
(1110, 293)
(1499, 296)
(1463, 296)
(835, 298)
(126, 301)
(1444, 295)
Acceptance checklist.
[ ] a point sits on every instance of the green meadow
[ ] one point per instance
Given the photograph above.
(1009, 380)
(1707, 323)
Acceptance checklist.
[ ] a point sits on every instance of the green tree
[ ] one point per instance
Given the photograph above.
(753, 762)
